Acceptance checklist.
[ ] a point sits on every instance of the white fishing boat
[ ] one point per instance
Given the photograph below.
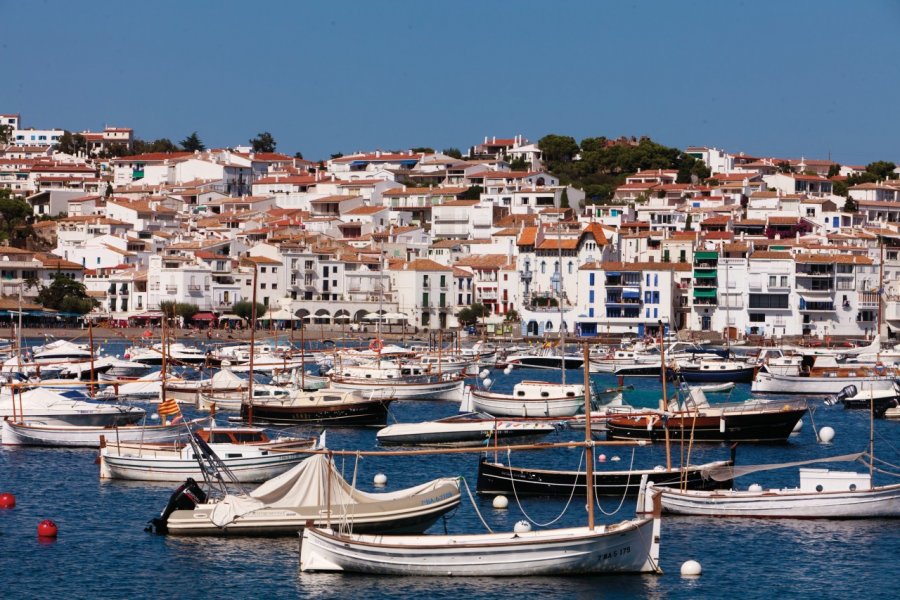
(246, 451)
(716, 388)
(471, 429)
(315, 492)
(528, 399)
(402, 382)
(147, 388)
(823, 494)
(176, 353)
(51, 407)
(30, 433)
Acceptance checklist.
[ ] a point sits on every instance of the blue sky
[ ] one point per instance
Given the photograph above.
(785, 78)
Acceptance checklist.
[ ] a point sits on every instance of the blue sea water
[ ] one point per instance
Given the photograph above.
(103, 552)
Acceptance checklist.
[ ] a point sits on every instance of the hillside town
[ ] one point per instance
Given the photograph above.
(424, 240)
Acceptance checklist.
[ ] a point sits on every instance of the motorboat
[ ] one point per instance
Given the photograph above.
(314, 492)
(146, 388)
(246, 451)
(878, 401)
(823, 375)
(330, 406)
(50, 407)
(471, 429)
(176, 353)
(498, 478)
(696, 419)
(706, 370)
(545, 358)
(822, 494)
(528, 399)
(61, 351)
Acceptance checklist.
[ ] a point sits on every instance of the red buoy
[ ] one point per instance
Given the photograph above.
(7, 500)
(47, 529)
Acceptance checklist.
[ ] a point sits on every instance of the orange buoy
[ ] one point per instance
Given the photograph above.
(47, 529)
(7, 500)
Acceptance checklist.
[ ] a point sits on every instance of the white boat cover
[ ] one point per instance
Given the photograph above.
(307, 484)
(227, 380)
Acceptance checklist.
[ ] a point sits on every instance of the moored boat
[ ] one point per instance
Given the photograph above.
(471, 429)
(320, 407)
(528, 399)
(73, 436)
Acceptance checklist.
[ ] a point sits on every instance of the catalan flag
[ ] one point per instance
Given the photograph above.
(168, 408)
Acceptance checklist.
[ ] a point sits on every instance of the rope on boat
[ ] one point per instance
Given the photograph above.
(624, 491)
(512, 481)
(475, 506)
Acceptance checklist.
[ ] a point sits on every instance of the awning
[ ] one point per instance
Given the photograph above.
(204, 316)
(706, 255)
(705, 274)
(230, 317)
(704, 293)
(612, 273)
(631, 293)
(149, 315)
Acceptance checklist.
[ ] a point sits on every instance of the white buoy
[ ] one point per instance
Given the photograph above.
(487, 382)
(522, 527)
(826, 434)
(754, 487)
(691, 568)
(380, 479)
(154, 417)
(484, 373)
(500, 502)
(798, 426)
(507, 370)
(615, 459)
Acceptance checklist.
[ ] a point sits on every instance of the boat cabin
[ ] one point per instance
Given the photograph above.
(233, 435)
(825, 480)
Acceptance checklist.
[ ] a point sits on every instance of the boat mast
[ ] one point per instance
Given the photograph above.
(589, 449)
(880, 291)
(91, 342)
(163, 365)
(562, 334)
(252, 348)
(663, 403)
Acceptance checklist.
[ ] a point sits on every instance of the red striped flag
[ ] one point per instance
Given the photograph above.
(168, 408)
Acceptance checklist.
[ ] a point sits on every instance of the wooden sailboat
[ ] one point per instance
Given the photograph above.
(630, 546)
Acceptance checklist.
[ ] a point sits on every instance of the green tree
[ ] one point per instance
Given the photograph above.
(519, 164)
(564, 200)
(263, 142)
(109, 190)
(193, 143)
(186, 310)
(160, 145)
(298, 154)
(66, 295)
(850, 205)
(840, 188)
(70, 143)
(833, 170)
(14, 213)
(422, 150)
(470, 314)
(5, 134)
(558, 148)
(882, 170)
(785, 167)
(244, 309)
(473, 193)
(337, 155)
(452, 152)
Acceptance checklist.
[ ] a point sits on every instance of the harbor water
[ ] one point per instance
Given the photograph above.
(103, 551)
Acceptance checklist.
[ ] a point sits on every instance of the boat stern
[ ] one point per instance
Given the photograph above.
(313, 554)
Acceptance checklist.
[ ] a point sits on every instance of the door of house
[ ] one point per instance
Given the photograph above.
(705, 323)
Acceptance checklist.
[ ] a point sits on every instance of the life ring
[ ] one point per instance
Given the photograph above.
(879, 368)
(376, 345)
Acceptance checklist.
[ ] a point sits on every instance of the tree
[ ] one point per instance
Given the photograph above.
(66, 295)
(850, 205)
(5, 134)
(471, 314)
(298, 154)
(558, 148)
(193, 143)
(473, 193)
(244, 309)
(564, 200)
(833, 170)
(263, 142)
(422, 150)
(337, 155)
(70, 143)
(519, 164)
(882, 170)
(159, 145)
(14, 212)
(186, 310)
(452, 152)
(109, 190)
(785, 167)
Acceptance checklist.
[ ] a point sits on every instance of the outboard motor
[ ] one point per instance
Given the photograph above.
(848, 392)
(185, 497)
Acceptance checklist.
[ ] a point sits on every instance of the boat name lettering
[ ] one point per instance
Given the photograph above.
(443, 496)
(617, 553)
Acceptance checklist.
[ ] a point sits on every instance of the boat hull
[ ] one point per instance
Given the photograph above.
(145, 467)
(544, 362)
(622, 548)
(459, 434)
(18, 434)
(438, 390)
(496, 478)
(770, 383)
(500, 405)
(346, 414)
(770, 426)
(878, 502)
(743, 375)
